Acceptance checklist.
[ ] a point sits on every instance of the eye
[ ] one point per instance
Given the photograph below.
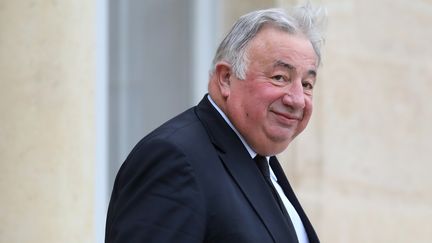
(307, 85)
(279, 78)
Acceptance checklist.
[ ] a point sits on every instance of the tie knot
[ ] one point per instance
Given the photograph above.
(263, 166)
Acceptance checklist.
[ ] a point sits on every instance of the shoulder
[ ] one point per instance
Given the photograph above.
(172, 146)
(157, 177)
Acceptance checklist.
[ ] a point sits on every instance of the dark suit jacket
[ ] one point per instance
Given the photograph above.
(192, 180)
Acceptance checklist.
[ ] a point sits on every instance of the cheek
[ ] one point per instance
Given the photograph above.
(307, 112)
(309, 106)
(253, 100)
(253, 103)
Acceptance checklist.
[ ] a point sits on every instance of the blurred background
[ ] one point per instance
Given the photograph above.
(82, 81)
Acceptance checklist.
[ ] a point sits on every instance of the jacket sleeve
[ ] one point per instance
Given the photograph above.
(156, 198)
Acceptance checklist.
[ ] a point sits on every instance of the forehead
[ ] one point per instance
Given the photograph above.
(271, 44)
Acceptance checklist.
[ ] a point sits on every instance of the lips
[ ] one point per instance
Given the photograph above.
(286, 118)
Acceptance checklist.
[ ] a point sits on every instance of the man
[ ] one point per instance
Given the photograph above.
(210, 174)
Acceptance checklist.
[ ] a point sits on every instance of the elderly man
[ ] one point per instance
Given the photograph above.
(210, 174)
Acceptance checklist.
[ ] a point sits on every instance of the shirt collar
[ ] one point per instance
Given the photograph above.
(251, 152)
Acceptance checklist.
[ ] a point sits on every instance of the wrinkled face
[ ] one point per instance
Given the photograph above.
(273, 104)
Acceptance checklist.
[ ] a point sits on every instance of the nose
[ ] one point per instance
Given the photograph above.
(294, 96)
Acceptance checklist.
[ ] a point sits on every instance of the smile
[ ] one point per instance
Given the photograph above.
(286, 118)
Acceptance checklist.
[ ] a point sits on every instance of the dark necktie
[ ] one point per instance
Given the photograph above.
(263, 166)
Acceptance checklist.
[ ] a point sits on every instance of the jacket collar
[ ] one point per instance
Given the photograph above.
(251, 152)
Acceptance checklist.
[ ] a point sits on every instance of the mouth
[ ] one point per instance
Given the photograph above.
(286, 118)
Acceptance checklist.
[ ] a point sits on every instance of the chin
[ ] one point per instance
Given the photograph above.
(281, 138)
(275, 148)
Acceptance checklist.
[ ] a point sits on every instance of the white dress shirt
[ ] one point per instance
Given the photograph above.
(295, 218)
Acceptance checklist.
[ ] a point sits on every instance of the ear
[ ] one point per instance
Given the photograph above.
(223, 74)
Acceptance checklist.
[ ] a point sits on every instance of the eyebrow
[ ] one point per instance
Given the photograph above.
(288, 66)
(312, 72)
(283, 64)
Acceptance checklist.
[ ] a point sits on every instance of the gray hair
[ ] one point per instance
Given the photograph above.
(304, 20)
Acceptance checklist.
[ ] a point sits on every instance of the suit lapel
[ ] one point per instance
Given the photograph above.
(245, 173)
(283, 182)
